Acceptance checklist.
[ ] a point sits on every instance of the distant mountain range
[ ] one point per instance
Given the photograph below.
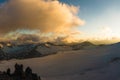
(10, 51)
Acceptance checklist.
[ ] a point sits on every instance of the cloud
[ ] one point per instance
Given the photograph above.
(48, 16)
(28, 37)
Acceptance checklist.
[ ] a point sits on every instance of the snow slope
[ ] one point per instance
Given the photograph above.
(91, 64)
(47, 49)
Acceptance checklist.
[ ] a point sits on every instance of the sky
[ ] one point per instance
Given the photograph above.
(1, 1)
(76, 19)
(101, 16)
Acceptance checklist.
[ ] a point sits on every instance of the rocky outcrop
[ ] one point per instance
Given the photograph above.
(19, 74)
(115, 59)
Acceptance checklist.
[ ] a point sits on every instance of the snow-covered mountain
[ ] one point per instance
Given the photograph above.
(37, 50)
(19, 52)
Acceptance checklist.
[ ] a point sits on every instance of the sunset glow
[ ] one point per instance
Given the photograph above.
(68, 20)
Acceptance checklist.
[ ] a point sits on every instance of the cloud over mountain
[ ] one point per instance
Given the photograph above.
(48, 16)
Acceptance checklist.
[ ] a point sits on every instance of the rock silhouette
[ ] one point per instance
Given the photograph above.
(19, 74)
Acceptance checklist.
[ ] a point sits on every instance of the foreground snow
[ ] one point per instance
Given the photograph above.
(91, 64)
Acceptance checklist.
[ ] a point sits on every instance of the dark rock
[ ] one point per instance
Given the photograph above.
(116, 59)
(19, 74)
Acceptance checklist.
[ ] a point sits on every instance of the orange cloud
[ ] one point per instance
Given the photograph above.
(44, 15)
